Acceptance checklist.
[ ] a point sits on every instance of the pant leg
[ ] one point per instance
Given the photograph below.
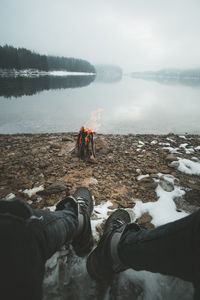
(171, 249)
(57, 227)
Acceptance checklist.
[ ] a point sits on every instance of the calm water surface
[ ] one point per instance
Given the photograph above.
(128, 106)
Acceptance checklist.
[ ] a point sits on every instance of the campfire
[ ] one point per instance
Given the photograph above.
(85, 144)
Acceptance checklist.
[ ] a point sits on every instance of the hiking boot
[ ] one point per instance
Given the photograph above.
(83, 239)
(82, 203)
(103, 262)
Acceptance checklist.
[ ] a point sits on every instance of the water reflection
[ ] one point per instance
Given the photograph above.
(187, 81)
(130, 106)
(20, 86)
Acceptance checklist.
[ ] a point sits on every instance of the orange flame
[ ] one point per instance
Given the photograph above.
(88, 131)
(94, 117)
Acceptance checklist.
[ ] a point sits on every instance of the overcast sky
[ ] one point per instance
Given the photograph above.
(134, 34)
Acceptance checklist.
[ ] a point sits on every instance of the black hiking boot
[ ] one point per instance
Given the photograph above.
(82, 203)
(83, 240)
(103, 262)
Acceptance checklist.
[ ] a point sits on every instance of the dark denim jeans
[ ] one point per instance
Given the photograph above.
(58, 228)
(51, 229)
(170, 249)
(28, 238)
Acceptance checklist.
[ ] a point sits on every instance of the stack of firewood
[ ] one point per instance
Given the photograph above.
(85, 144)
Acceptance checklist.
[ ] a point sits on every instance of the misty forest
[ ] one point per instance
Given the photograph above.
(21, 58)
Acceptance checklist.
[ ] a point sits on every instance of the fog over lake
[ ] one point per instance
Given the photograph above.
(129, 105)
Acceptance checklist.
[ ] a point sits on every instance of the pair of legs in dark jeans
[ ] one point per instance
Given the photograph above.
(171, 249)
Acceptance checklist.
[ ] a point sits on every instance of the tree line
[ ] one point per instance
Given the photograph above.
(21, 58)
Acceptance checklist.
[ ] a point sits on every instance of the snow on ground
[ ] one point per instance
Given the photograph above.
(187, 150)
(171, 149)
(164, 209)
(33, 191)
(10, 196)
(187, 166)
(171, 140)
(154, 142)
(142, 176)
(101, 215)
(164, 144)
(65, 73)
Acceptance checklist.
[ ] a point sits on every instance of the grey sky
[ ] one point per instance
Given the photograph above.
(134, 34)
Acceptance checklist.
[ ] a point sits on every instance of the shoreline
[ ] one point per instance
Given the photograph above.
(129, 167)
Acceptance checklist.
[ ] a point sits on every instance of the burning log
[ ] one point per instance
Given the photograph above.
(85, 144)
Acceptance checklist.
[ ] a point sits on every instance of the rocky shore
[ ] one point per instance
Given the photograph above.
(38, 168)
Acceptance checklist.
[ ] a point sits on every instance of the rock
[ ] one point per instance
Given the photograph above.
(151, 171)
(148, 182)
(183, 205)
(55, 146)
(102, 145)
(113, 206)
(67, 139)
(145, 221)
(54, 188)
(167, 186)
(171, 157)
(164, 170)
(193, 197)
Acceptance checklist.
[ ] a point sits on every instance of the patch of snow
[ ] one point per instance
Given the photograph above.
(164, 209)
(156, 286)
(187, 150)
(10, 196)
(101, 212)
(182, 137)
(195, 158)
(170, 140)
(33, 191)
(171, 149)
(142, 176)
(65, 73)
(141, 143)
(29, 202)
(138, 171)
(52, 208)
(154, 142)
(183, 145)
(187, 166)
(164, 144)
(197, 148)
(94, 180)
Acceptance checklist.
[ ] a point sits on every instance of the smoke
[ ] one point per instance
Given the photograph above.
(95, 116)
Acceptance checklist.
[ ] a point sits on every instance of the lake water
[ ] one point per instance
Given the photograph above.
(126, 106)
